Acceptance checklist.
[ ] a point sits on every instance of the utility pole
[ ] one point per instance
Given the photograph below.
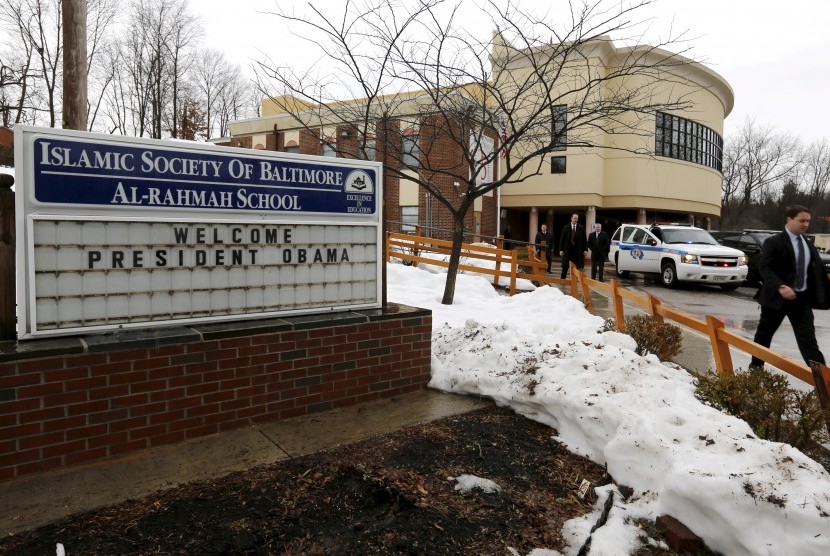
(74, 64)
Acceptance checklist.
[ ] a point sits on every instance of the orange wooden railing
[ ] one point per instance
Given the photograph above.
(412, 248)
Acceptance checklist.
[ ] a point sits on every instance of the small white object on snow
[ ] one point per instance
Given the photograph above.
(466, 483)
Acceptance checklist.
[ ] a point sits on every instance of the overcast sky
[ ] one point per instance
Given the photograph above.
(775, 55)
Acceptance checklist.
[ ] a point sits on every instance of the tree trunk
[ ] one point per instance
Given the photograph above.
(455, 257)
(74, 64)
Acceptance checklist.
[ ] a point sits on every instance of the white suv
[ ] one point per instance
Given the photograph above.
(678, 254)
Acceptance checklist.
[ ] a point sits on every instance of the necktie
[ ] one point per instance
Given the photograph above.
(573, 235)
(800, 271)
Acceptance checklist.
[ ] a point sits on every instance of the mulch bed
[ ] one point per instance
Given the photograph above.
(386, 495)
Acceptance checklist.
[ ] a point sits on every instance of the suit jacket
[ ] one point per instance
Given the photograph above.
(778, 268)
(547, 237)
(599, 244)
(580, 241)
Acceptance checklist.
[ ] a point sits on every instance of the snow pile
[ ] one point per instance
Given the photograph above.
(466, 483)
(545, 356)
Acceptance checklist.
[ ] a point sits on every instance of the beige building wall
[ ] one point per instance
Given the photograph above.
(626, 176)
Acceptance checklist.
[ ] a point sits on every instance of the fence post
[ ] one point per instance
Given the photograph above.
(574, 285)
(388, 249)
(8, 307)
(586, 292)
(419, 233)
(821, 377)
(619, 308)
(499, 242)
(514, 270)
(653, 306)
(720, 349)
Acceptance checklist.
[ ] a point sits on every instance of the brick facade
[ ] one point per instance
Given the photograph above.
(72, 401)
(439, 151)
(309, 142)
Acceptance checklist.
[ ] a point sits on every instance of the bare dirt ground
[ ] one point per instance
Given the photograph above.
(390, 494)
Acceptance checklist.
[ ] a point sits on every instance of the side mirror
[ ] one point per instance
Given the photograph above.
(750, 249)
(652, 242)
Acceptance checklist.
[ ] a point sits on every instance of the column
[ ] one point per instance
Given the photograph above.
(534, 224)
(590, 220)
(641, 216)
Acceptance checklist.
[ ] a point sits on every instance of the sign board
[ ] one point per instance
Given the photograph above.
(123, 232)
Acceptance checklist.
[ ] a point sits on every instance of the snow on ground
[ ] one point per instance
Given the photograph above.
(542, 354)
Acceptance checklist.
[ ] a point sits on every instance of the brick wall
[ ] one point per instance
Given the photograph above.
(309, 142)
(69, 401)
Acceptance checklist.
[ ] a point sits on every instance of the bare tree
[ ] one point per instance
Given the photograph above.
(36, 27)
(33, 59)
(755, 160)
(419, 74)
(155, 59)
(101, 16)
(221, 88)
(236, 101)
(816, 171)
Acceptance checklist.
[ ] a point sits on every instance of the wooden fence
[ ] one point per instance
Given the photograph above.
(507, 264)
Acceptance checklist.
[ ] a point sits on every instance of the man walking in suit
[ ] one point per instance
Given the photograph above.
(544, 236)
(794, 282)
(600, 244)
(573, 245)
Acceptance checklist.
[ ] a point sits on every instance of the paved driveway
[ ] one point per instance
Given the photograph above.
(737, 310)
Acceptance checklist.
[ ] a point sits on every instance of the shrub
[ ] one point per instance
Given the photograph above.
(608, 325)
(662, 339)
(767, 403)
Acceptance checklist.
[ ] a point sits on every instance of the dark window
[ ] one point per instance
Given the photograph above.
(558, 165)
(560, 127)
(367, 150)
(409, 219)
(293, 149)
(328, 149)
(683, 139)
(410, 153)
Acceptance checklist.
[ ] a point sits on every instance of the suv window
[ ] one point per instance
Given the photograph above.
(628, 233)
(690, 235)
(730, 237)
(639, 236)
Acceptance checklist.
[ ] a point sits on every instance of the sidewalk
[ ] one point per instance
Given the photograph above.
(39, 499)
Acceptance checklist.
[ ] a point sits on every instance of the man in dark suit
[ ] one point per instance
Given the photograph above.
(600, 244)
(794, 283)
(544, 236)
(573, 245)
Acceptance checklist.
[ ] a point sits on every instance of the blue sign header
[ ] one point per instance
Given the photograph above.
(117, 175)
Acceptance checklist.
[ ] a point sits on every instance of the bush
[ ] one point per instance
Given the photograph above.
(662, 339)
(767, 403)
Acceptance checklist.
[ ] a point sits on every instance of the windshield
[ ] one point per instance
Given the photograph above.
(688, 236)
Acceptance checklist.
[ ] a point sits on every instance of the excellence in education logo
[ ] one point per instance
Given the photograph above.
(359, 181)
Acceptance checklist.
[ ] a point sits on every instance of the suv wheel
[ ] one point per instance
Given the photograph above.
(668, 274)
(620, 273)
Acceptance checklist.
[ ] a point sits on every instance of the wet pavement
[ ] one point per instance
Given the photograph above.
(737, 310)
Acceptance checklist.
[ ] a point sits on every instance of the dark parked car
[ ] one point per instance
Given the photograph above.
(750, 242)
